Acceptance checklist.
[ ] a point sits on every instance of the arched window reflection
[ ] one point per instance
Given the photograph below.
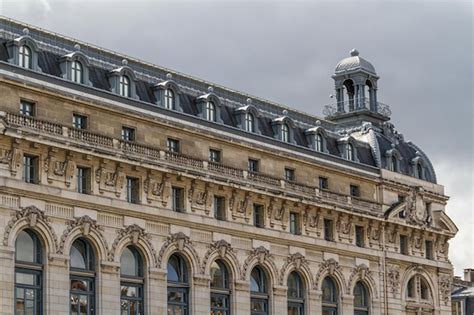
(82, 278)
(249, 122)
(25, 57)
(178, 286)
(350, 152)
(361, 299)
(220, 290)
(259, 297)
(131, 282)
(393, 164)
(169, 99)
(77, 74)
(319, 143)
(28, 274)
(124, 86)
(285, 133)
(296, 294)
(330, 297)
(211, 111)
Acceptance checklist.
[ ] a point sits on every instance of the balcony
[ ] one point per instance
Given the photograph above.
(356, 105)
(154, 155)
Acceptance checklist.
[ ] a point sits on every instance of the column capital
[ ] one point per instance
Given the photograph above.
(280, 290)
(201, 280)
(158, 274)
(109, 267)
(241, 285)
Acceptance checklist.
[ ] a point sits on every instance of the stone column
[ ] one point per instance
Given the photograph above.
(241, 294)
(340, 100)
(56, 285)
(7, 280)
(108, 289)
(356, 96)
(201, 295)
(313, 304)
(157, 294)
(347, 304)
(280, 300)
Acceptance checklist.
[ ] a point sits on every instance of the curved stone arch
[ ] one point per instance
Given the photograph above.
(297, 262)
(260, 256)
(181, 244)
(133, 235)
(330, 268)
(14, 46)
(31, 218)
(79, 56)
(362, 273)
(420, 271)
(87, 228)
(223, 251)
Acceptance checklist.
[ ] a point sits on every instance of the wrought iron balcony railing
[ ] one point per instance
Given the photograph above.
(358, 104)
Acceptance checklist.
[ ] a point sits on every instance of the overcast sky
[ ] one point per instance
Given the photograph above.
(285, 51)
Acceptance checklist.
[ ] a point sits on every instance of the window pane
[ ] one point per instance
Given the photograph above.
(25, 247)
(129, 263)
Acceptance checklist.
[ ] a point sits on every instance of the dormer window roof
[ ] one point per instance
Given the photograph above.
(283, 128)
(122, 81)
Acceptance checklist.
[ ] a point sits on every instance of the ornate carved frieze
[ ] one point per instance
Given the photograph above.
(362, 273)
(278, 213)
(223, 250)
(262, 255)
(112, 181)
(442, 248)
(310, 220)
(157, 189)
(393, 279)
(59, 170)
(329, 266)
(299, 262)
(445, 284)
(240, 207)
(199, 197)
(86, 224)
(12, 157)
(374, 233)
(182, 242)
(345, 228)
(33, 216)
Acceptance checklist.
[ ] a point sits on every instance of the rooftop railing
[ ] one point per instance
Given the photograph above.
(186, 161)
(357, 104)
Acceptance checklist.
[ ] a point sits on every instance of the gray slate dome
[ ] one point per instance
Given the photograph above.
(354, 63)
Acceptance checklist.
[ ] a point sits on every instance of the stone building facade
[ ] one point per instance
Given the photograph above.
(127, 188)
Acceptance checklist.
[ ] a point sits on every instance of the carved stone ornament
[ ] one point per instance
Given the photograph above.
(445, 283)
(329, 266)
(299, 262)
(181, 241)
(134, 233)
(223, 249)
(416, 208)
(262, 255)
(362, 273)
(33, 216)
(310, 220)
(55, 168)
(12, 157)
(156, 189)
(393, 278)
(86, 225)
(109, 180)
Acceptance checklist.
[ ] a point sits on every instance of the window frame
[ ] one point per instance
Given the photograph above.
(328, 229)
(177, 199)
(128, 134)
(83, 181)
(258, 214)
(25, 56)
(289, 174)
(77, 71)
(173, 145)
(77, 123)
(132, 189)
(295, 223)
(360, 236)
(215, 155)
(220, 213)
(169, 99)
(31, 112)
(124, 83)
(253, 165)
(31, 169)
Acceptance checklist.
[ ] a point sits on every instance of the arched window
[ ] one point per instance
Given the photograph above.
(249, 122)
(419, 171)
(169, 99)
(131, 282)
(330, 297)
(210, 111)
(220, 289)
(361, 299)
(24, 57)
(259, 304)
(393, 164)
(319, 143)
(418, 289)
(82, 278)
(296, 294)
(124, 86)
(28, 274)
(178, 286)
(285, 133)
(77, 73)
(350, 152)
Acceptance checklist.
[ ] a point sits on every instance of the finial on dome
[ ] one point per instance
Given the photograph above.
(26, 31)
(124, 62)
(354, 52)
(169, 76)
(77, 47)
(249, 101)
(210, 89)
(285, 112)
(318, 122)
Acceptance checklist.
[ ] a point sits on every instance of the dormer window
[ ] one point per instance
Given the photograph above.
(124, 86)
(285, 133)
(319, 143)
(210, 111)
(169, 99)
(249, 122)
(24, 55)
(419, 171)
(350, 152)
(77, 72)
(393, 164)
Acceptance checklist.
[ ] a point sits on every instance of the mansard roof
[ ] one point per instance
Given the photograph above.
(370, 149)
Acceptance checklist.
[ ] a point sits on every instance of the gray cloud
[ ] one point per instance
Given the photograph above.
(286, 52)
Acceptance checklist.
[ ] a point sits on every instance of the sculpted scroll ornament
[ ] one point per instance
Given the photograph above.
(329, 266)
(110, 181)
(223, 249)
(86, 225)
(299, 262)
(11, 157)
(363, 273)
(240, 208)
(55, 168)
(181, 241)
(262, 255)
(157, 190)
(345, 228)
(134, 233)
(33, 216)
(310, 220)
(445, 287)
(393, 278)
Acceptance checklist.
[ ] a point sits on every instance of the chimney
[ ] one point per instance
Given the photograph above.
(469, 275)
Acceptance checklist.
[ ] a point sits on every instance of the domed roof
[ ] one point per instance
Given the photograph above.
(353, 63)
